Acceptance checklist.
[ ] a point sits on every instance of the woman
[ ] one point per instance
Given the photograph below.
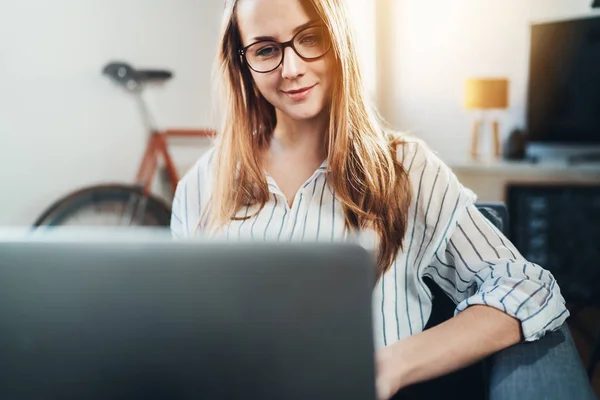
(302, 156)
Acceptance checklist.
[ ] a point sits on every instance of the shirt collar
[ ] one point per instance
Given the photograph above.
(273, 188)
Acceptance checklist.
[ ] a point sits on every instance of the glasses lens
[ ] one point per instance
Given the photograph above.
(312, 42)
(264, 56)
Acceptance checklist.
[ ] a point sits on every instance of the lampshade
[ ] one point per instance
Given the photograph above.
(486, 94)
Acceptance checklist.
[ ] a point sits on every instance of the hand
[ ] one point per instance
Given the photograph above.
(388, 369)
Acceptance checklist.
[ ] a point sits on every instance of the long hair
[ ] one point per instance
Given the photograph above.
(366, 176)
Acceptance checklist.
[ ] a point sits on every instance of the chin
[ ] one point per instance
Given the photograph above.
(303, 116)
(303, 112)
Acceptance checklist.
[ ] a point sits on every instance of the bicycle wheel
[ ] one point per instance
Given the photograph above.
(106, 205)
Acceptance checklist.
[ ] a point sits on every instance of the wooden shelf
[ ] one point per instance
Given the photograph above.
(488, 179)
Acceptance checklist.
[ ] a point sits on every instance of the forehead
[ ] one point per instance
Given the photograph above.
(275, 18)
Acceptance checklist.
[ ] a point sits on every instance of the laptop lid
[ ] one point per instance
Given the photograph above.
(152, 318)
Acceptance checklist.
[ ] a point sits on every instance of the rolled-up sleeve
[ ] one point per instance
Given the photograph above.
(479, 265)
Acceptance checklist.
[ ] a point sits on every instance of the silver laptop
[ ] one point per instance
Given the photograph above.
(125, 316)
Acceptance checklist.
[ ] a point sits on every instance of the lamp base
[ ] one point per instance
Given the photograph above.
(476, 153)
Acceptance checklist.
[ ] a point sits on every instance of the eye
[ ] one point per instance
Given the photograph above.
(267, 51)
(311, 39)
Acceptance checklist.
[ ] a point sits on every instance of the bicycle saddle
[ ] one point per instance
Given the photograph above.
(124, 74)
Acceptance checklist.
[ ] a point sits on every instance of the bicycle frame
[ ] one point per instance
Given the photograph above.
(158, 147)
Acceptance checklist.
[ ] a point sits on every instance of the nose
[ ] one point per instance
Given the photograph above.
(293, 65)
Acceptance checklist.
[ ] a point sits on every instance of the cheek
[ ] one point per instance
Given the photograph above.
(325, 69)
(265, 83)
(327, 75)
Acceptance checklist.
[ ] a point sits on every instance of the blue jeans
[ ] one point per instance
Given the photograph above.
(549, 368)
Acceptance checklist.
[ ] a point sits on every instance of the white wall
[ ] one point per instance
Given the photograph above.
(62, 124)
(441, 43)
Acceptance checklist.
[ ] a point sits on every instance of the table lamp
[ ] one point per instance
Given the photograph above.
(486, 95)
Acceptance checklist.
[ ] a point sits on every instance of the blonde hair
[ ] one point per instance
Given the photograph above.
(366, 176)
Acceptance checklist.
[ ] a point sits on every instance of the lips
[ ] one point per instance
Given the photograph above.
(296, 91)
(299, 94)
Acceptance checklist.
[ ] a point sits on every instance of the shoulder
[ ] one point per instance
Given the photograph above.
(199, 176)
(192, 193)
(438, 198)
(416, 156)
(423, 164)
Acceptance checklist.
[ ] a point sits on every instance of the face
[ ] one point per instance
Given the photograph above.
(298, 88)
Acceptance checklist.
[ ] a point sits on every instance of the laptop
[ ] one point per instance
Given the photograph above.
(124, 316)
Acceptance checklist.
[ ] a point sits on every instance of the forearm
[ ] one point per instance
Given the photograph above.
(474, 334)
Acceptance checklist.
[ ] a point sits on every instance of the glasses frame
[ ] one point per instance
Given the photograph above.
(282, 47)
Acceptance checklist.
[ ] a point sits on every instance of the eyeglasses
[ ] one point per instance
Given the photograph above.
(267, 55)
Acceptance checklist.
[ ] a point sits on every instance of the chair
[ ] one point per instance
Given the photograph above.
(495, 377)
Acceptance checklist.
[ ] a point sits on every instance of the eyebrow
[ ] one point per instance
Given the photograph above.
(296, 30)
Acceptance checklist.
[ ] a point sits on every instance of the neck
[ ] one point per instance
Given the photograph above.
(301, 136)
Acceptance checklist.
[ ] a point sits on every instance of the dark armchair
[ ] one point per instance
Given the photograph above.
(502, 375)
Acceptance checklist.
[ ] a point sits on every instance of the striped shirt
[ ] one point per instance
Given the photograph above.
(447, 239)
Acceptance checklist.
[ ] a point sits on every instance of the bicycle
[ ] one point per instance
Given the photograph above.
(124, 204)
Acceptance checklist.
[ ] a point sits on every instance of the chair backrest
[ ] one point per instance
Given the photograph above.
(496, 213)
